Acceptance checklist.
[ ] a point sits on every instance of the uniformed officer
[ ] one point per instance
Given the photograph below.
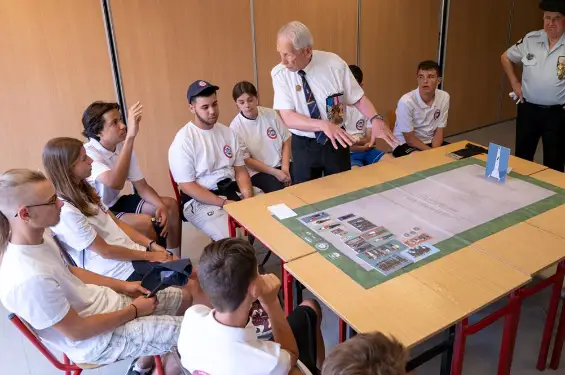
(541, 111)
(312, 89)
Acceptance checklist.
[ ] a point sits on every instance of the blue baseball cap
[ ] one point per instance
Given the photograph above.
(197, 87)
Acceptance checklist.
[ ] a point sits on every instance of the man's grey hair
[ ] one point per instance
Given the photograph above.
(298, 34)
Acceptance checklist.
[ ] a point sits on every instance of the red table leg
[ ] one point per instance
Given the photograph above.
(559, 340)
(551, 314)
(232, 227)
(287, 290)
(509, 333)
(342, 331)
(459, 347)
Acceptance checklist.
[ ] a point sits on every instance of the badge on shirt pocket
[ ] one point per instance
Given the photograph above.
(335, 108)
(561, 68)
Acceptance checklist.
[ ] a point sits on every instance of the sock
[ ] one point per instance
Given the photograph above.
(175, 251)
(141, 370)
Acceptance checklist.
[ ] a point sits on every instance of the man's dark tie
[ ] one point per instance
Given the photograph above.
(313, 109)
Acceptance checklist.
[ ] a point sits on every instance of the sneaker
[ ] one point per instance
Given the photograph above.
(261, 321)
(131, 371)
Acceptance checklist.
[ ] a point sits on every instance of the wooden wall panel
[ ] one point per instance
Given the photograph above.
(165, 45)
(333, 24)
(476, 37)
(526, 17)
(390, 51)
(54, 63)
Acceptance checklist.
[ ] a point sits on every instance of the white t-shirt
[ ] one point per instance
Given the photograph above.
(76, 232)
(327, 74)
(205, 156)
(104, 160)
(262, 138)
(36, 285)
(413, 114)
(210, 347)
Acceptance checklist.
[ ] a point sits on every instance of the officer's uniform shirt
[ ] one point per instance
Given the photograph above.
(543, 77)
(327, 74)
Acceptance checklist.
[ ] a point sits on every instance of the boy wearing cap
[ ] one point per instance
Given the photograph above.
(207, 163)
(111, 147)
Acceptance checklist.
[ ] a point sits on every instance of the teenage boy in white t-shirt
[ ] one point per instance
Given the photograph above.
(226, 343)
(358, 125)
(207, 163)
(264, 139)
(110, 145)
(91, 318)
(421, 114)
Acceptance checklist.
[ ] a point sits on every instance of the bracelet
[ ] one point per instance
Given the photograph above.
(149, 246)
(376, 117)
(135, 310)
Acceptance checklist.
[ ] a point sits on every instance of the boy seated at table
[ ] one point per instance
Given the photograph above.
(222, 341)
(368, 353)
(357, 124)
(421, 114)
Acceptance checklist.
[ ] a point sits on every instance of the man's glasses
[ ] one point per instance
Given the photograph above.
(51, 202)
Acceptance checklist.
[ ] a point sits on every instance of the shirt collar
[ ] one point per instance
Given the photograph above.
(310, 67)
(421, 103)
(98, 146)
(543, 38)
(246, 334)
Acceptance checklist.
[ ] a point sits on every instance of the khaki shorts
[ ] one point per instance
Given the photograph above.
(148, 335)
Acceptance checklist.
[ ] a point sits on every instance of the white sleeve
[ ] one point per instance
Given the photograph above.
(181, 162)
(442, 122)
(243, 147)
(239, 154)
(281, 356)
(283, 95)
(517, 51)
(352, 90)
(40, 301)
(404, 118)
(74, 229)
(134, 173)
(281, 127)
(97, 169)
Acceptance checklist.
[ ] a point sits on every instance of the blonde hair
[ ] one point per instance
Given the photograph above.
(12, 188)
(364, 354)
(59, 155)
(298, 34)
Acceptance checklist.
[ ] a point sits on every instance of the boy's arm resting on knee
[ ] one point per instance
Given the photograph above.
(149, 194)
(243, 181)
(259, 166)
(89, 277)
(437, 140)
(414, 141)
(107, 251)
(200, 194)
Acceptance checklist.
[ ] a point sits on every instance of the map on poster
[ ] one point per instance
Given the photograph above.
(402, 224)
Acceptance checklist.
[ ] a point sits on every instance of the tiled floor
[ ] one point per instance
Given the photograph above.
(18, 357)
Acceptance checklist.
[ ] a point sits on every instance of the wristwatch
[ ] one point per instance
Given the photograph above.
(376, 117)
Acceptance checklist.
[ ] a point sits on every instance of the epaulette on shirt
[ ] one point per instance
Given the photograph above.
(277, 69)
(532, 34)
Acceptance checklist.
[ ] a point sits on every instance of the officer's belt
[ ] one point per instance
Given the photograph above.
(556, 106)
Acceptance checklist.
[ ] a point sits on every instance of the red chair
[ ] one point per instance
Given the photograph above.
(67, 366)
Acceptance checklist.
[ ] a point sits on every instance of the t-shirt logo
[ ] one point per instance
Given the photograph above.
(360, 124)
(201, 83)
(227, 151)
(271, 133)
(436, 114)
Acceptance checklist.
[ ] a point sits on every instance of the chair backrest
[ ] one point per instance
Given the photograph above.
(28, 332)
(175, 188)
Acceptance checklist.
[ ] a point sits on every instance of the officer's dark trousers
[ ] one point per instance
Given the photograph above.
(548, 123)
(311, 160)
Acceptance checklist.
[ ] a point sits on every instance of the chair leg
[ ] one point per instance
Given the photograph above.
(459, 348)
(509, 334)
(67, 362)
(159, 365)
(266, 259)
(559, 340)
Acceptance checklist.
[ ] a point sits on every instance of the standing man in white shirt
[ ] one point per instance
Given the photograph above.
(91, 318)
(312, 89)
(110, 146)
(421, 114)
(541, 110)
(207, 163)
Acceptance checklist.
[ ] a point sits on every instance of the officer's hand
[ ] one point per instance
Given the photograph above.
(517, 88)
(381, 130)
(337, 134)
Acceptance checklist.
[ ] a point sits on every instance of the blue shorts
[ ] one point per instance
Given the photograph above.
(359, 159)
